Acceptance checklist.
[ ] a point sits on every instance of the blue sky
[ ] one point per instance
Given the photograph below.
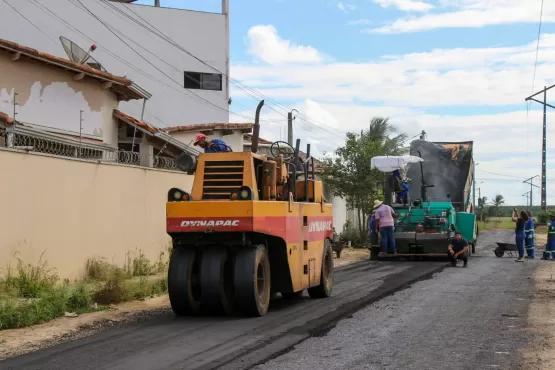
(459, 69)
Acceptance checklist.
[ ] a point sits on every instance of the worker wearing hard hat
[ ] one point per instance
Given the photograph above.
(529, 236)
(550, 246)
(211, 146)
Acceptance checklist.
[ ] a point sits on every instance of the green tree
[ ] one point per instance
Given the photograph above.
(349, 175)
(497, 202)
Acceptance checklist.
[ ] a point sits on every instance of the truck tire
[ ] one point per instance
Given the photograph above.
(252, 280)
(474, 248)
(326, 276)
(183, 281)
(216, 281)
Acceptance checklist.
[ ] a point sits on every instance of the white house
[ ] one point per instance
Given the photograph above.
(183, 88)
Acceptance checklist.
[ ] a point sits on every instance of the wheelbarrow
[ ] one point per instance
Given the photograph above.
(509, 248)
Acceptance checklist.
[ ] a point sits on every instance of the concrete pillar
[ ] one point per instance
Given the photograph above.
(146, 152)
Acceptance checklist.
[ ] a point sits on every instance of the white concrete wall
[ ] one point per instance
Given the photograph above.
(49, 96)
(234, 141)
(202, 34)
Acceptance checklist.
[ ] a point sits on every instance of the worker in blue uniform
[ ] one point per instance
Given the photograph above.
(550, 246)
(401, 195)
(529, 236)
(211, 146)
(372, 230)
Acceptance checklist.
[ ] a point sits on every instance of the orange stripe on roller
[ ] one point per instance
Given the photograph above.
(290, 229)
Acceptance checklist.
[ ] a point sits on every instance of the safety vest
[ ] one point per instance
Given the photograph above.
(551, 231)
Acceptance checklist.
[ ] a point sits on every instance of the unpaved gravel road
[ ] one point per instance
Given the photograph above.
(473, 318)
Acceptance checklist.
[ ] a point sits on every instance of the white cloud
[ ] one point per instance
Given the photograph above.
(265, 44)
(441, 77)
(341, 97)
(359, 22)
(405, 5)
(346, 8)
(473, 13)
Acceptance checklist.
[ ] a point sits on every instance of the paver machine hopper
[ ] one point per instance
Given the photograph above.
(439, 201)
(253, 225)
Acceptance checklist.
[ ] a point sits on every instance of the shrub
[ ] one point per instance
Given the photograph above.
(543, 217)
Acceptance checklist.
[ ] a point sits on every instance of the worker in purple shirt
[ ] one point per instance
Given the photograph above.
(211, 146)
(385, 222)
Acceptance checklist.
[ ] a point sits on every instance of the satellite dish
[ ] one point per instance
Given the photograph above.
(186, 163)
(78, 55)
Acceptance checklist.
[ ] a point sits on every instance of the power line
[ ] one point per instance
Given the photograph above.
(146, 60)
(537, 47)
(500, 174)
(238, 84)
(27, 19)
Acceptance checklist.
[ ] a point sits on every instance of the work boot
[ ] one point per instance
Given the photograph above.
(465, 264)
(382, 254)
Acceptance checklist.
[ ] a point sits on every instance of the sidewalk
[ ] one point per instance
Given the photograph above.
(541, 319)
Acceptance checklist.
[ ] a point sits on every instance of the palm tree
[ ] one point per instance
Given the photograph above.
(497, 202)
(383, 132)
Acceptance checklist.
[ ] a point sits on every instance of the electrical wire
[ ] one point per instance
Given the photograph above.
(28, 20)
(238, 84)
(499, 174)
(142, 57)
(534, 76)
(116, 32)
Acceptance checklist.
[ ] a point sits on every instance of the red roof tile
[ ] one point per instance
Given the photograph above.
(67, 64)
(210, 126)
(134, 121)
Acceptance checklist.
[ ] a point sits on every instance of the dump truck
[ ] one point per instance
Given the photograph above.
(252, 226)
(440, 200)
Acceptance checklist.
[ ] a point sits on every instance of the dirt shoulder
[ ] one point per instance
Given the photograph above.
(20, 341)
(541, 319)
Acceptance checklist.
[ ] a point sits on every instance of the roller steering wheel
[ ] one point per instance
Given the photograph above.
(282, 149)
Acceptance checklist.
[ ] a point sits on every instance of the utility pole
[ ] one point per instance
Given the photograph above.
(157, 3)
(15, 103)
(526, 195)
(290, 119)
(529, 181)
(80, 132)
(544, 174)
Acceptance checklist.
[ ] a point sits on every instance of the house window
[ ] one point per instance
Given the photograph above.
(203, 81)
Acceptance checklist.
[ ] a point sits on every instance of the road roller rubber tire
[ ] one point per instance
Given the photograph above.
(183, 281)
(252, 281)
(216, 281)
(326, 277)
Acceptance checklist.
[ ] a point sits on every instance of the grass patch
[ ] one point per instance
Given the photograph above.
(33, 294)
(505, 223)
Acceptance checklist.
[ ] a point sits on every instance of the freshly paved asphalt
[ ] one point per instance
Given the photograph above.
(463, 318)
(455, 320)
